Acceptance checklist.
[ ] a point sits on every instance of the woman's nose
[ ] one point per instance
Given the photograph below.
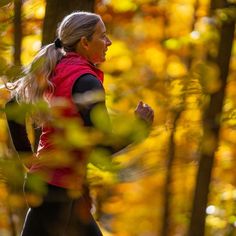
(109, 42)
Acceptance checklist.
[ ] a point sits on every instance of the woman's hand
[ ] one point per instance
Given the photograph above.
(145, 113)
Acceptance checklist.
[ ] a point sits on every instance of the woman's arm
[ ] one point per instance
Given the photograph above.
(89, 94)
(17, 131)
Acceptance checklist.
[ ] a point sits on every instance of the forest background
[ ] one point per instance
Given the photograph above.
(179, 56)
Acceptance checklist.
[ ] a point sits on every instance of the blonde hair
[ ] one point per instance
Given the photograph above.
(32, 87)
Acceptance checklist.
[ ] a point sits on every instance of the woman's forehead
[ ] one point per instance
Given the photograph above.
(100, 27)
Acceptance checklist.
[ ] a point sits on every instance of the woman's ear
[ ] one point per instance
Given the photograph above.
(84, 42)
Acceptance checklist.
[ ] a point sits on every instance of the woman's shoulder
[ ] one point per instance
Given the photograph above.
(87, 82)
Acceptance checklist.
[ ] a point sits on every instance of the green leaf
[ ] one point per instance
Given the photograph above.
(101, 158)
(18, 112)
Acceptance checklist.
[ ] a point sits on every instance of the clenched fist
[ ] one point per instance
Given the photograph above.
(144, 112)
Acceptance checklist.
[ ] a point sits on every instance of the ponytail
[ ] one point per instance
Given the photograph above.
(32, 87)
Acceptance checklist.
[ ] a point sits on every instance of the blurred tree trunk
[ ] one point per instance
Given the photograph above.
(165, 231)
(211, 126)
(17, 32)
(56, 10)
(175, 116)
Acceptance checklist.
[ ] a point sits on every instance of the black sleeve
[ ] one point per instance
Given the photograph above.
(17, 131)
(88, 92)
(81, 91)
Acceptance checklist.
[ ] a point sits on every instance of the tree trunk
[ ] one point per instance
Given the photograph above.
(17, 32)
(211, 129)
(56, 10)
(165, 230)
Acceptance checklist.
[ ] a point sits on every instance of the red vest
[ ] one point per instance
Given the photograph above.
(49, 158)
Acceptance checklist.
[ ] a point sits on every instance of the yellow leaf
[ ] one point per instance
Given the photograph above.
(123, 5)
(175, 68)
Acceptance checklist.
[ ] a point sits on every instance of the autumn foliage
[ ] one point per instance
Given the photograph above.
(162, 53)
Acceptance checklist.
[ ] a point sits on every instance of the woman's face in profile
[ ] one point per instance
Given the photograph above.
(98, 45)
